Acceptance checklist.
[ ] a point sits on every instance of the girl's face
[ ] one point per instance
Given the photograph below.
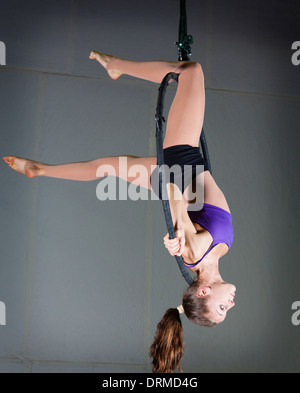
(220, 299)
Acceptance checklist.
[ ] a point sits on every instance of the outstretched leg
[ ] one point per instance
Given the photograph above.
(186, 114)
(133, 169)
(153, 71)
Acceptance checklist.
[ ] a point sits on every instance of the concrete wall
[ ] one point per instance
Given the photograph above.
(85, 282)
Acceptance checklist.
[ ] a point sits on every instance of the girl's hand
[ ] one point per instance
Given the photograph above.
(175, 246)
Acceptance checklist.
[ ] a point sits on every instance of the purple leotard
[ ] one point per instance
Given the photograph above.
(217, 221)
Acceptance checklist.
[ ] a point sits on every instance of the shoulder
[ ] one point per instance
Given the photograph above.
(197, 244)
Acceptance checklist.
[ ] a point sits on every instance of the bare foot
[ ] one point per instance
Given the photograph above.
(24, 166)
(104, 59)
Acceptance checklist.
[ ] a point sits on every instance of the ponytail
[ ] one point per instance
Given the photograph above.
(167, 347)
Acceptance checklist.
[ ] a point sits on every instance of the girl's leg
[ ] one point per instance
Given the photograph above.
(153, 71)
(186, 114)
(130, 168)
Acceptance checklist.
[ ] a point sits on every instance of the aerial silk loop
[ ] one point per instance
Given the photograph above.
(184, 51)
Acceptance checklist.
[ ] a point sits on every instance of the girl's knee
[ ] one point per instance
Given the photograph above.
(191, 67)
(195, 67)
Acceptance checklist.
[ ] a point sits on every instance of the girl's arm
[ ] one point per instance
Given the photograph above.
(177, 204)
(182, 224)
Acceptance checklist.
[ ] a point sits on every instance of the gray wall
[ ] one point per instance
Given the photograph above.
(85, 282)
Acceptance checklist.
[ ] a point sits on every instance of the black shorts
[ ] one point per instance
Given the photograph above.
(184, 162)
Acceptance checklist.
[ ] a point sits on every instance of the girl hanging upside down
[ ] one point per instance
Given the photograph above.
(203, 236)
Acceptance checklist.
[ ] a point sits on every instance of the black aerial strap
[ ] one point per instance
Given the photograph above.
(184, 51)
(184, 40)
(162, 176)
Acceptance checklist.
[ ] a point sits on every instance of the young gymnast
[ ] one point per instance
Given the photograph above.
(203, 236)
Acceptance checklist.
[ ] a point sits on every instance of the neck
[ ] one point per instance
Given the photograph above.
(208, 269)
